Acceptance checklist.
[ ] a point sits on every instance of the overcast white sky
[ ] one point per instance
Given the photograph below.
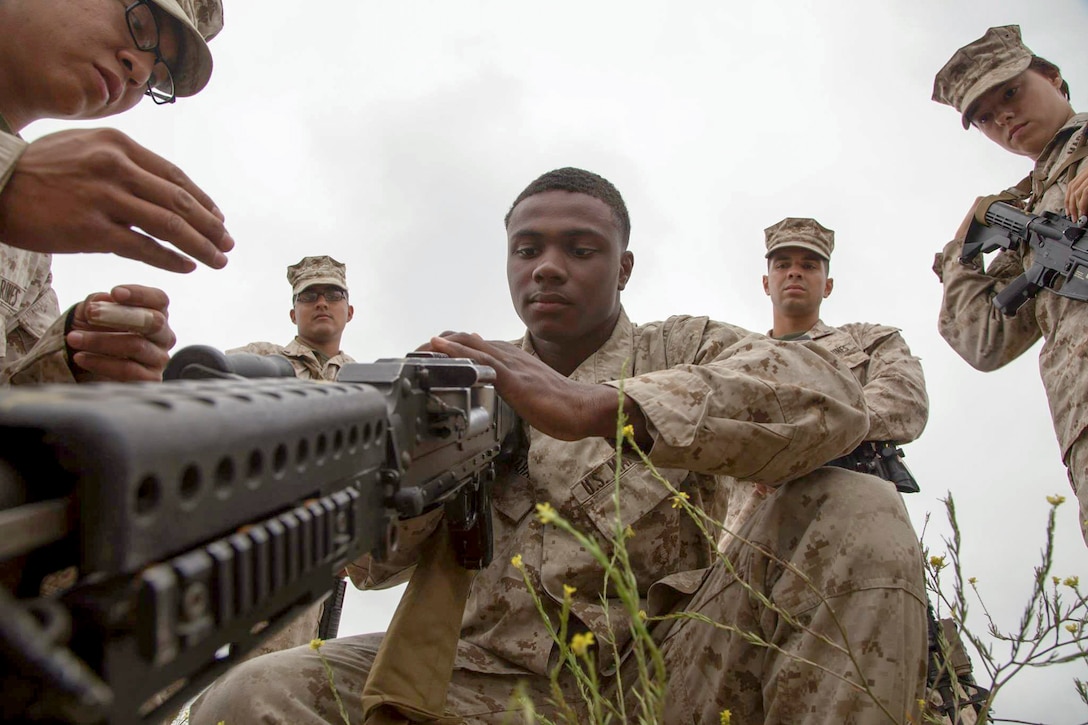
(394, 136)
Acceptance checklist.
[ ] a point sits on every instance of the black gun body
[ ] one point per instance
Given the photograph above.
(206, 508)
(1060, 246)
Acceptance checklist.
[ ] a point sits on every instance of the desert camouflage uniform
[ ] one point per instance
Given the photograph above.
(895, 388)
(308, 365)
(895, 395)
(987, 339)
(32, 348)
(718, 402)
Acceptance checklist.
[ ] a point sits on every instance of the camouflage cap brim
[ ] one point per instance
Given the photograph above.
(337, 282)
(798, 244)
(201, 20)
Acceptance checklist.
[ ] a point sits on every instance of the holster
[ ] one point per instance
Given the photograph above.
(883, 459)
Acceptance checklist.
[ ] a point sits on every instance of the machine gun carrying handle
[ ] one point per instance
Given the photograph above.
(200, 362)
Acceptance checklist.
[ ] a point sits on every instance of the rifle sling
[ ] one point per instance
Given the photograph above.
(1013, 194)
(1080, 153)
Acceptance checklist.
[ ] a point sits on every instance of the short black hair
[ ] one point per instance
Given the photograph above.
(579, 181)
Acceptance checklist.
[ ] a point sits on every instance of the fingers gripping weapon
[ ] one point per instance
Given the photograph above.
(194, 510)
(1060, 259)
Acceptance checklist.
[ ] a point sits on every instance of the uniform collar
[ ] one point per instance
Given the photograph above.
(820, 329)
(815, 332)
(1051, 154)
(608, 361)
(298, 347)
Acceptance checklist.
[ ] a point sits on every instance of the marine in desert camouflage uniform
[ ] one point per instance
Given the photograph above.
(797, 281)
(708, 400)
(1021, 102)
(87, 190)
(315, 354)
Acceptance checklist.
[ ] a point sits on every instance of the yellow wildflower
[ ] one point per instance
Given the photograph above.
(1055, 500)
(642, 615)
(628, 533)
(568, 590)
(1071, 581)
(972, 580)
(315, 644)
(629, 432)
(580, 643)
(1056, 579)
(679, 499)
(727, 717)
(1072, 628)
(515, 560)
(546, 513)
(937, 562)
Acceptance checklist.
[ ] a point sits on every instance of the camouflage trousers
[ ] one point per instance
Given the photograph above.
(843, 640)
(1076, 462)
(295, 634)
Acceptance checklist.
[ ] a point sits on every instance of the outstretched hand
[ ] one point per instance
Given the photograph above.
(92, 190)
(552, 403)
(123, 335)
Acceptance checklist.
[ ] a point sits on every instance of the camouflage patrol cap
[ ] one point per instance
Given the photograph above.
(996, 57)
(317, 270)
(201, 21)
(800, 232)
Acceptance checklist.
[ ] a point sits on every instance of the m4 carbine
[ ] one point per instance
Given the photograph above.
(196, 510)
(1060, 259)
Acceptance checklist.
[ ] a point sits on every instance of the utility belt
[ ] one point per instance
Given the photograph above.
(883, 459)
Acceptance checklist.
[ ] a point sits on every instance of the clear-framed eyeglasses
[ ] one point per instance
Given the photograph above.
(145, 32)
(309, 296)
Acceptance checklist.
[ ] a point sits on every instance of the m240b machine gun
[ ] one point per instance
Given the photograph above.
(195, 511)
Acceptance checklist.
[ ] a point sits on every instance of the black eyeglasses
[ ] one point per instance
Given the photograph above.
(309, 296)
(145, 32)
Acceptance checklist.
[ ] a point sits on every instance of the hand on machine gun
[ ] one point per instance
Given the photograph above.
(196, 509)
(1060, 259)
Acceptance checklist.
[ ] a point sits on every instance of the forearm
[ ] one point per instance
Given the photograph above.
(740, 416)
(895, 392)
(984, 337)
(599, 415)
